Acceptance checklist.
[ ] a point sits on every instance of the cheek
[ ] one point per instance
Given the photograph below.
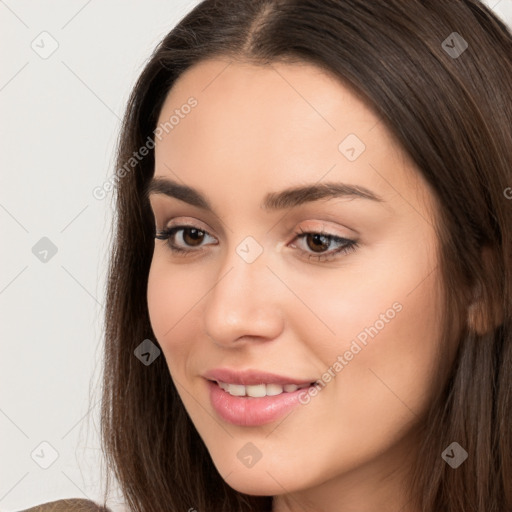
(171, 297)
(160, 299)
(387, 299)
(384, 338)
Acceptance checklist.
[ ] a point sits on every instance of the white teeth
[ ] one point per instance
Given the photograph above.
(256, 391)
(259, 390)
(236, 389)
(274, 389)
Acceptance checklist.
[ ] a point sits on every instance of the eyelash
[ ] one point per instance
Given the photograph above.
(349, 245)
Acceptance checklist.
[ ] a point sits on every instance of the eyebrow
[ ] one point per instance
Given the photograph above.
(288, 198)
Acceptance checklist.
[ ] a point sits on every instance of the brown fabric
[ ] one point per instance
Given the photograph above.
(69, 505)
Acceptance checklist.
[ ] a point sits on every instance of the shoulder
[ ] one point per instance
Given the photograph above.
(68, 505)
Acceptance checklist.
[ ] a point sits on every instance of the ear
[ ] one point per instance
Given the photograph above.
(476, 317)
(485, 312)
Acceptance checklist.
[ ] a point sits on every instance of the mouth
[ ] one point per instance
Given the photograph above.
(253, 397)
(254, 405)
(259, 390)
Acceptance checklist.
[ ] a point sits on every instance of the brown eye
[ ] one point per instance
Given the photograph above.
(182, 239)
(316, 245)
(319, 243)
(188, 240)
(193, 236)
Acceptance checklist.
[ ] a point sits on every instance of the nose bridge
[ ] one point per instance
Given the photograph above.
(240, 302)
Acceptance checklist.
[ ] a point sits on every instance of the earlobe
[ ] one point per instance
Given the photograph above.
(482, 319)
(485, 312)
(476, 320)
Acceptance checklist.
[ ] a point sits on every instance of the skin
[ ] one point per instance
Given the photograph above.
(261, 129)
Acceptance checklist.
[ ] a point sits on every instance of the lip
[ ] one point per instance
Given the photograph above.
(252, 377)
(248, 411)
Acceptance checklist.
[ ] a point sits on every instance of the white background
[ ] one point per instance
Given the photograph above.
(60, 118)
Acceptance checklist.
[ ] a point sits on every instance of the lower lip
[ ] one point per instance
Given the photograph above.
(252, 412)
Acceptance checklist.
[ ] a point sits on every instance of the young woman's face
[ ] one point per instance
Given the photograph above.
(355, 309)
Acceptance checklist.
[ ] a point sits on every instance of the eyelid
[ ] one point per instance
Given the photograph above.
(174, 222)
(347, 246)
(326, 228)
(321, 227)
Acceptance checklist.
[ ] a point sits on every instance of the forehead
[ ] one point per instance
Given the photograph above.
(281, 123)
(299, 96)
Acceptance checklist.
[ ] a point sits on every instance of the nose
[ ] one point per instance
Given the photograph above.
(244, 303)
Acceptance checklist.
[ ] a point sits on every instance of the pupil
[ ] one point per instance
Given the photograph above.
(195, 234)
(318, 239)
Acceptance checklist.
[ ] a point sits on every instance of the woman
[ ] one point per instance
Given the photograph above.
(309, 295)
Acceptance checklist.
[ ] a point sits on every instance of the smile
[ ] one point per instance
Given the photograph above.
(259, 390)
(253, 405)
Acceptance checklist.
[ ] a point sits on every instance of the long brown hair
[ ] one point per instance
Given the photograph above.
(439, 74)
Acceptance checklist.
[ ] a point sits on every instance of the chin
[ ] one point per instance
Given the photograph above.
(261, 484)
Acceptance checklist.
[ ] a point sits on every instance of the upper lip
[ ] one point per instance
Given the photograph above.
(252, 377)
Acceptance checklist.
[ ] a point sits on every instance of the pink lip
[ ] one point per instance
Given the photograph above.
(248, 411)
(252, 377)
